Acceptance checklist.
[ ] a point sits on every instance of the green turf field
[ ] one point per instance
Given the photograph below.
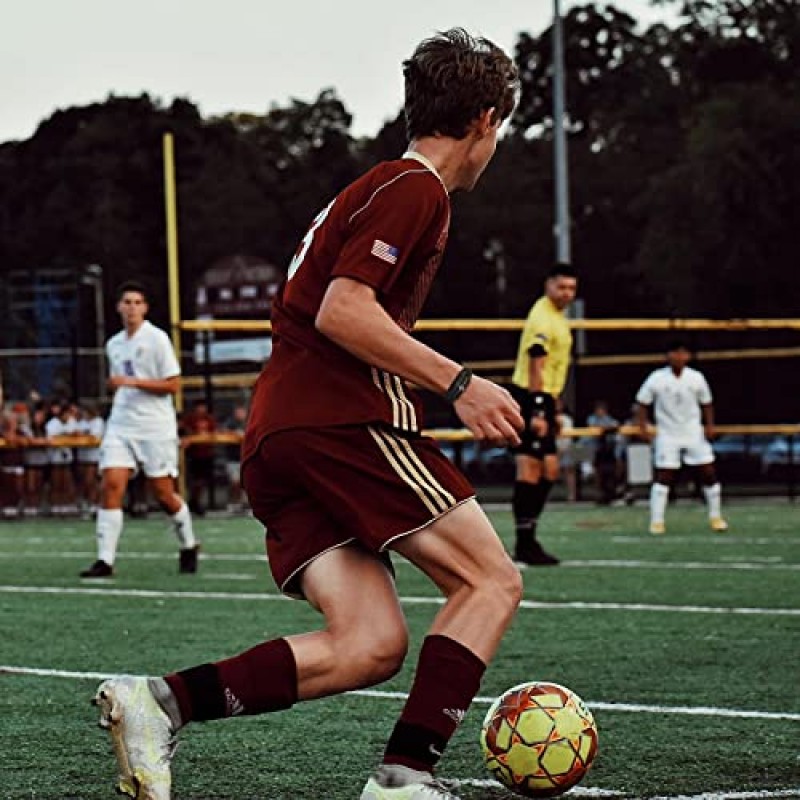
(686, 647)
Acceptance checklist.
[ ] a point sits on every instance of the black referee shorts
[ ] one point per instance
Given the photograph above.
(545, 405)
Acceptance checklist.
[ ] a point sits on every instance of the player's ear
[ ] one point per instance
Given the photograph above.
(487, 120)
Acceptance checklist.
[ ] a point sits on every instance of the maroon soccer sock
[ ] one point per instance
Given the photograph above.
(261, 679)
(447, 680)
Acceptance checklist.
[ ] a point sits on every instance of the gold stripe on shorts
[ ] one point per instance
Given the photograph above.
(404, 416)
(408, 465)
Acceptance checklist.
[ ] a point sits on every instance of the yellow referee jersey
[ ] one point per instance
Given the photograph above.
(547, 327)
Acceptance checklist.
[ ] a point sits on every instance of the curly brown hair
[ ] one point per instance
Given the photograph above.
(451, 79)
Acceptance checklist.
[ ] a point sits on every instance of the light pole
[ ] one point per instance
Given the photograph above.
(562, 222)
(494, 253)
(92, 275)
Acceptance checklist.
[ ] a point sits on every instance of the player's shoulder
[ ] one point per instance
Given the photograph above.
(155, 333)
(539, 308)
(115, 345)
(658, 375)
(401, 177)
(542, 312)
(696, 375)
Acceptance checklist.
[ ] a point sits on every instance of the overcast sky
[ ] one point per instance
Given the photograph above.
(235, 55)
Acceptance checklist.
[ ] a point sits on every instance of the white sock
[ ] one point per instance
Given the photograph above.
(659, 494)
(713, 499)
(182, 525)
(109, 528)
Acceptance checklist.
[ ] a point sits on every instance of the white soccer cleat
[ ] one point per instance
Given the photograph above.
(141, 734)
(395, 782)
(718, 524)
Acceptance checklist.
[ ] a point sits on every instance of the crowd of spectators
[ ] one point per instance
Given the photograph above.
(49, 459)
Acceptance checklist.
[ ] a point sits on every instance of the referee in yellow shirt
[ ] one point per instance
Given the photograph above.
(540, 373)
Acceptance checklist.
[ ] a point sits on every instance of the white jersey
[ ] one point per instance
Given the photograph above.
(136, 413)
(90, 427)
(676, 401)
(55, 427)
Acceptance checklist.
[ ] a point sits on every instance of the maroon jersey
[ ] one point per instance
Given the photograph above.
(388, 229)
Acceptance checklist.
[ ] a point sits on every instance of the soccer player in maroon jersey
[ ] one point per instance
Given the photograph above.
(336, 469)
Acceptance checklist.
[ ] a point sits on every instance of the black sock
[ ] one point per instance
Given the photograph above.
(528, 501)
(543, 492)
(523, 504)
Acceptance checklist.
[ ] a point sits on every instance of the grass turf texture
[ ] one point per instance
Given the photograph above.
(678, 656)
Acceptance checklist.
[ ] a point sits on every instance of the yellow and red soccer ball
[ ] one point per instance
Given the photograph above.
(539, 739)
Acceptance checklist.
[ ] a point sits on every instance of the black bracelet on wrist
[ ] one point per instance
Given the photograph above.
(459, 385)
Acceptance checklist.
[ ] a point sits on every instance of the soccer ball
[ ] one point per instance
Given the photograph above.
(539, 739)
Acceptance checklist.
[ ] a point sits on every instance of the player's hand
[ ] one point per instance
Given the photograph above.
(490, 412)
(711, 434)
(646, 433)
(539, 426)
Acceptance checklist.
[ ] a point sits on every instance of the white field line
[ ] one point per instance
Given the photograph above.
(107, 590)
(257, 557)
(754, 795)
(595, 705)
(682, 565)
(592, 791)
(135, 556)
(588, 791)
(727, 539)
(578, 791)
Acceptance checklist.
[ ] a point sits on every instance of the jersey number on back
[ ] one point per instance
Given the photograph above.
(307, 239)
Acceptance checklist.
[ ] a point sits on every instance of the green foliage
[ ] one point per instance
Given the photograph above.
(684, 167)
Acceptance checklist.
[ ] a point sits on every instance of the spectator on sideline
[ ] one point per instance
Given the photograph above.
(336, 469)
(12, 469)
(62, 424)
(565, 447)
(200, 457)
(89, 424)
(236, 423)
(625, 442)
(684, 415)
(540, 374)
(605, 451)
(141, 432)
(36, 460)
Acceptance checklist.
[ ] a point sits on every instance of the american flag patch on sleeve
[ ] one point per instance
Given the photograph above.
(385, 251)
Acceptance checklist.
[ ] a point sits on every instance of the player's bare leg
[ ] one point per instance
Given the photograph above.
(463, 556)
(364, 641)
(461, 553)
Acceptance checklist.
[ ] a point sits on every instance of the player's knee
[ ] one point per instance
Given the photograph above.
(503, 589)
(111, 493)
(379, 657)
(512, 586)
(165, 497)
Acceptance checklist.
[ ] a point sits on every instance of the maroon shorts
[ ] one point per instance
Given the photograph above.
(319, 488)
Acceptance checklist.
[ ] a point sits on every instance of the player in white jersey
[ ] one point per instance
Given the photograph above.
(141, 432)
(684, 415)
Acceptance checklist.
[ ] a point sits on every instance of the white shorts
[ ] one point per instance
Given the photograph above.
(670, 453)
(157, 458)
